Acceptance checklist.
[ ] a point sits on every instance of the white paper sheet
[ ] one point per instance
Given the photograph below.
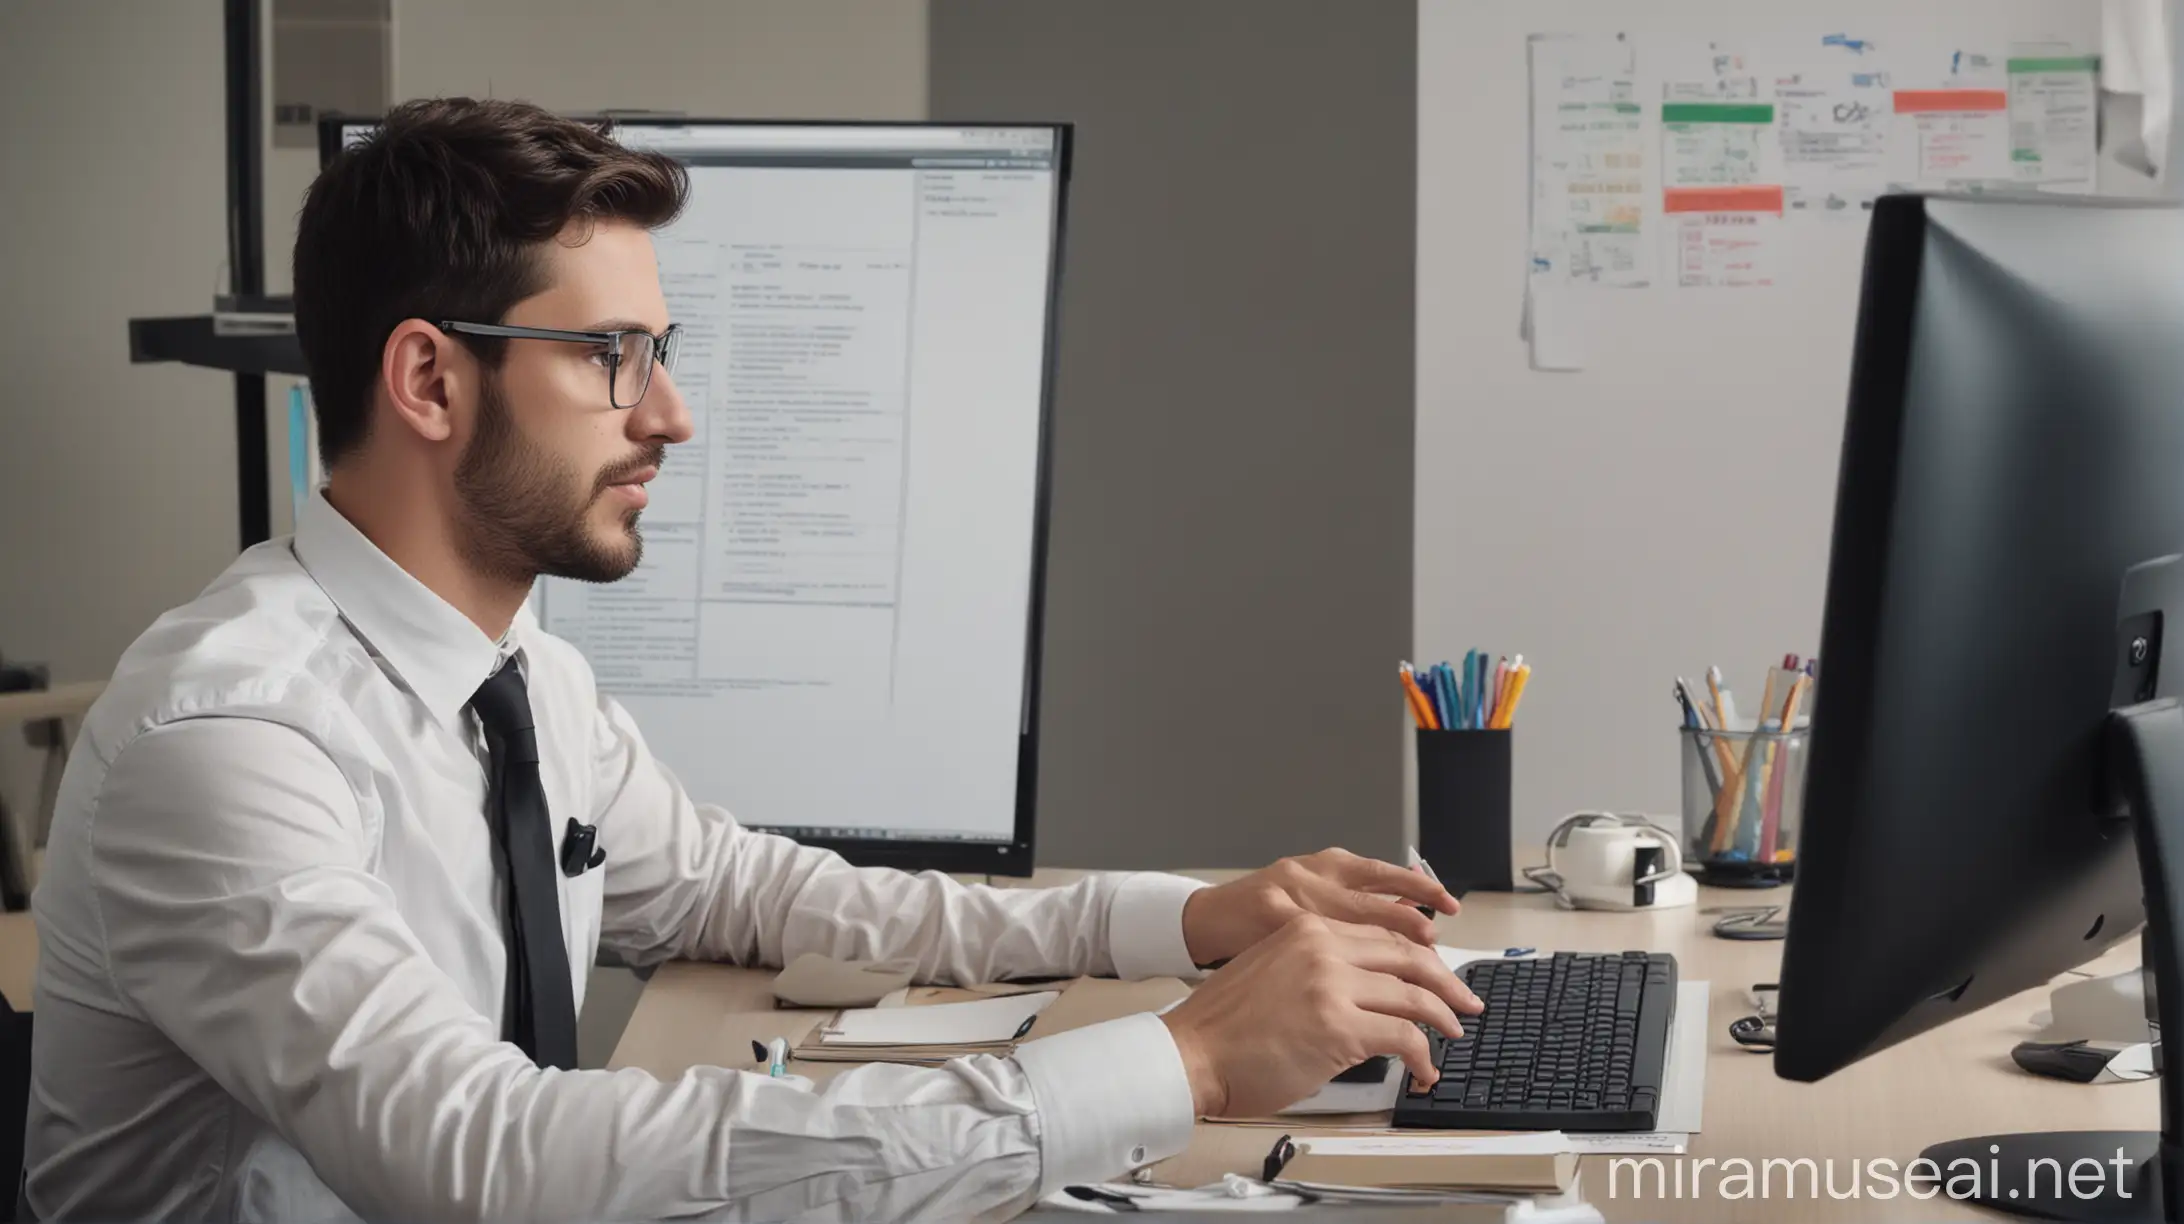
(976, 1023)
(1612, 1143)
(1554, 325)
(1683, 1079)
(1234, 1194)
(1457, 958)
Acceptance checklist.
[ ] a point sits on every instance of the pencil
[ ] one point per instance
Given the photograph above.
(1421, 710)
(1516, 694)
(1722, 751)
(1772, 825)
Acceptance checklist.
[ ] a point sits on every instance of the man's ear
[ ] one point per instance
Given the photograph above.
(423, 367)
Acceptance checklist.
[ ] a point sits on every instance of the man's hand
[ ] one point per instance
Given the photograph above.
(1222, 921)
(1307, 1003)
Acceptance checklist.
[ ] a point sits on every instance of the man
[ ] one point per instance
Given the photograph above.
(320, 897)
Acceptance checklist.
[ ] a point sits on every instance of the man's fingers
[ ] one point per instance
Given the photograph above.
(1351, 905)
(1383, 953)
(1372, 875)
(1404, 1040)
(1377, 992)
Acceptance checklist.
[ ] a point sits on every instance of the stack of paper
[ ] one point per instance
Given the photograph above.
(1500, 1177)
(1525, 1164)
(926, 1035)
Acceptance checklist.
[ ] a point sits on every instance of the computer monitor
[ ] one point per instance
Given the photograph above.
(835, 630)
(1996, 780)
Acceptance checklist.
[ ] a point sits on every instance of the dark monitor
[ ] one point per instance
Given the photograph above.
(1996, 781)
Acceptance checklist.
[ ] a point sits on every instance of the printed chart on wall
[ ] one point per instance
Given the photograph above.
(1588, 200)
(1974, 119)
(2054, 108)
(1721, 177)
(1833, 110)
(1588, 164)
(1674, 162)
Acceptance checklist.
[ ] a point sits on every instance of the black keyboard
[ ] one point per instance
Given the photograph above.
(1574, 1042)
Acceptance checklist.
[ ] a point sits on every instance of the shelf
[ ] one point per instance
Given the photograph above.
(189, 339)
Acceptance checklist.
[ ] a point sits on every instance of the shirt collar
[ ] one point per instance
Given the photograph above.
(436, 651)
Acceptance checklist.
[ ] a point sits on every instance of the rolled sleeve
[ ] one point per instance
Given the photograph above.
(1145, 926)
(1111, 1097)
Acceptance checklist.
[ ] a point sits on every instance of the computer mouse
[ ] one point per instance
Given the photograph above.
(2076, 1061)
(1371, 1071)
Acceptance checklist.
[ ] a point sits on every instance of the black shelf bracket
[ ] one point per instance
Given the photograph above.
(190, 339)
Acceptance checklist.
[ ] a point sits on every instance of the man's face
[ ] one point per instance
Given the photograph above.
(552, 477)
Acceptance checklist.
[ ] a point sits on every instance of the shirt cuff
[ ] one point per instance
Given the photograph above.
(1145, 926)
(1112, 1097)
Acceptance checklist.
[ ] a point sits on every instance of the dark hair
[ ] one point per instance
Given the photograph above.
(441, 214)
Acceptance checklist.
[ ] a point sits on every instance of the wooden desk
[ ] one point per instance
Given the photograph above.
(1954, 1082)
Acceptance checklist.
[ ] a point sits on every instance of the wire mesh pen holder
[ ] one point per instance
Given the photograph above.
(1743, 802)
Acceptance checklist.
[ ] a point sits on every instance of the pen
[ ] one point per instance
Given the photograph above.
(1418, 863)
(1092, 1194)
(1771, 825)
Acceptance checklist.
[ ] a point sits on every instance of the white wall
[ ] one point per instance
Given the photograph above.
(1669, 506)
(117, 482)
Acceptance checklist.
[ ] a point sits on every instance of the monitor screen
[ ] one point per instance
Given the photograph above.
(834, 630)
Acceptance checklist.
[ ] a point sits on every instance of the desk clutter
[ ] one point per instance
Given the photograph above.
(1340, 1146)
(1744, 777)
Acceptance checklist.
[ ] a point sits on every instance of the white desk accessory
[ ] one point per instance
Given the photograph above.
(1599, 860)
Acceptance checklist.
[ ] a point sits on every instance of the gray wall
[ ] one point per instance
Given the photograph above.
(117, 482)
(1229, 571)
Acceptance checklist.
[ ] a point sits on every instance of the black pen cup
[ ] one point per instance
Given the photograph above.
(1463, 808)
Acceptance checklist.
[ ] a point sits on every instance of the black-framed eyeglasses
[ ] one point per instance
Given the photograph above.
(629, 355)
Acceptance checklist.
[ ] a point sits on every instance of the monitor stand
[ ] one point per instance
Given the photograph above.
(2146, 773)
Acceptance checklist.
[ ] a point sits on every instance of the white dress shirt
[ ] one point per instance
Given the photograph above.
(272, 952)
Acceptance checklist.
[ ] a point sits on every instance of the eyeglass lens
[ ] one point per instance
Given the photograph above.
(633, 370)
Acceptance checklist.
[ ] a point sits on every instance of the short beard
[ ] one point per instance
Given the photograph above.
(525, 511)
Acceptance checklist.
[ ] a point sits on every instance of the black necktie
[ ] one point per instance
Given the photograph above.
(539, 1005)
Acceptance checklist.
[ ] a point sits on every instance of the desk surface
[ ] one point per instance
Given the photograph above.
(1954, 1082)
